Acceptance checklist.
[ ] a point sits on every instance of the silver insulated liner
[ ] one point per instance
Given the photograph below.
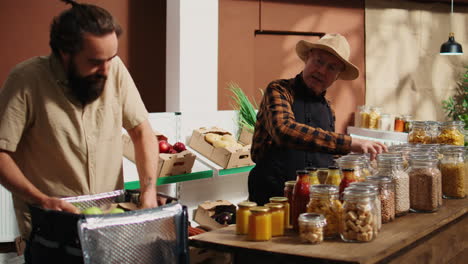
(143, 236)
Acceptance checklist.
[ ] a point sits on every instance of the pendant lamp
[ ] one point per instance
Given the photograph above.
(451, 47)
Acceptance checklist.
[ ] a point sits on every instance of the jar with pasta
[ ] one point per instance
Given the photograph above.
(452, 167)
(311, 227)
(425, 184)
(374, 117)
(242, 217)
(419, 134)
(451, 133)
(358, 221)
(324, 200)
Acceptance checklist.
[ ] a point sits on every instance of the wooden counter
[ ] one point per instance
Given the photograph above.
(440, 237)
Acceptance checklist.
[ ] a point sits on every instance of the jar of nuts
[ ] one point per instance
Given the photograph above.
(425, 183)
(452, 167)
(324, 200)
(311, 227)
(386, 194)
(358, 220)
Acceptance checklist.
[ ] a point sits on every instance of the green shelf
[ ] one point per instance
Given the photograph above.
(173, 179)
(236, 170)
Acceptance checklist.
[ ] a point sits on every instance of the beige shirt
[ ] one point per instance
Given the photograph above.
(61, 147)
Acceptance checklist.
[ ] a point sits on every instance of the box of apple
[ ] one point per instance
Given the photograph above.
(174, 159)
(221, 147)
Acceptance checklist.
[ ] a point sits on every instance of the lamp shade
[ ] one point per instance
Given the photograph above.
(451, 47)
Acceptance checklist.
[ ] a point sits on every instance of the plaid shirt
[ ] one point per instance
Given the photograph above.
(276, 125)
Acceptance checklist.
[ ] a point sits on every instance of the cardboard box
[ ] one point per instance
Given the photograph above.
(169, 164)
(228, 157)
(206, 210)
(245, 136)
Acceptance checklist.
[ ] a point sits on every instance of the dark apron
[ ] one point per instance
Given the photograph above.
(279, 164)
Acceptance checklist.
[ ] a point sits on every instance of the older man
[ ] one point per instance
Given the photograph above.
(295, 123)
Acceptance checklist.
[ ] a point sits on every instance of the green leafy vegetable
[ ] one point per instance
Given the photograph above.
(247, 114)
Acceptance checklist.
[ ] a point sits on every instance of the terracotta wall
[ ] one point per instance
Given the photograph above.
(24, 29)
(253, 61)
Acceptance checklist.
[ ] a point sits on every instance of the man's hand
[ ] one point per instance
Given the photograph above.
(366, 146)
(59, 205)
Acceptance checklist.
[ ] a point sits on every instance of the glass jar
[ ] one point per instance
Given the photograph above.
(352, 162)
(311, 227)
(358, 220)
(394, 168)
(277, 218)
(333, 177)
(242, 217)
(386, 122)
(433, 128)
(386, 195)
(451, 133)
(287, 212)
(425, 184)
(377, 204)
(419, 134)
(348, 177)
(364, 116)
(313, 178)
(259, 224)
(408, 123)
(288, 190)
(322, 174)
(324, 200)
(452, 168)
(300, 197)
(374, 117)
(399, 124)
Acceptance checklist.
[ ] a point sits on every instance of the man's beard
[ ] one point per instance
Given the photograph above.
(85, 89)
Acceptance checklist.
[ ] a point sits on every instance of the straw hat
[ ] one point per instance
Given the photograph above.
(337, 45)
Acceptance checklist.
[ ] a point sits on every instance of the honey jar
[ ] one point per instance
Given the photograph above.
(277, 218)
(242, 217)
(259, 224)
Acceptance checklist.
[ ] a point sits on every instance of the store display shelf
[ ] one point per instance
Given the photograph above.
(174, 179)
(390, 137)
(235, 170)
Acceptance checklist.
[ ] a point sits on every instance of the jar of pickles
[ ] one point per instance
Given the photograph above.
(386, 194)
(277, 218)
(242, 217)
(313, 178)
(452, 167)
(451, 133)
(287, 209)
(374, 117)
(419, 133)
(259, 224)
(333, 177)
(358, 220)
(311, 227)
(324, 200)
(425, 184)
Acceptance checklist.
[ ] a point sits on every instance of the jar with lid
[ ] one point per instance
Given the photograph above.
(408, 123)
(433, 128)
(300, 197)
(322, 174)
(425, 184)
(333, 177)
(386, 122)
(287, 213)
(419, 134)
(311, 227)
(363, 116)
(352, 162)
(374, 117)
(358, 220)
(259, 224)
(348, 177)
(242, 217)
(364, 186)
(288, 190)
(399, 124)
(386, 195)
(451, 133)
(452, 168)
(392, 166)
(324, 200)
(313, 178)
(277, 218)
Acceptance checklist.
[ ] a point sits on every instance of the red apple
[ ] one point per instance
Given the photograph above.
(164, 146)
(179, 146)
(172, 151)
